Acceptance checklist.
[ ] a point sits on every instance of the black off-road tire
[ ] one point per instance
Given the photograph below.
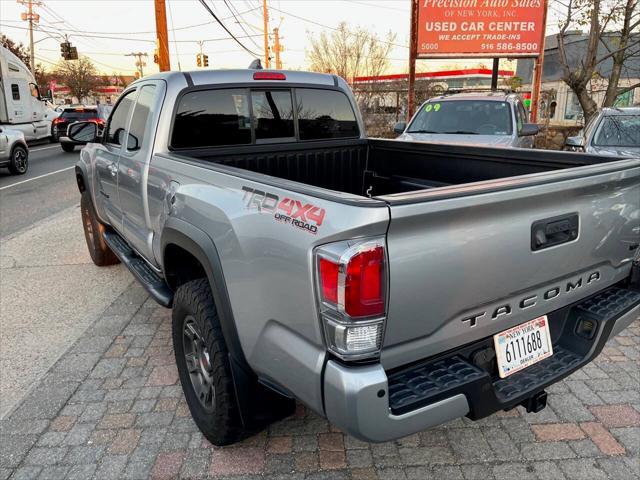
(19, 161)
(100, 252)
(193, 304)
(67, 147)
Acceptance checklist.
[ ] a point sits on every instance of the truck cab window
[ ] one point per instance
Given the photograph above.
(325, 114)
(210, 118)
(140, 118)
(15, 91)
(272, 114)
(118, 121)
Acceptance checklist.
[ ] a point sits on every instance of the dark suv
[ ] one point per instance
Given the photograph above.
(71, 115)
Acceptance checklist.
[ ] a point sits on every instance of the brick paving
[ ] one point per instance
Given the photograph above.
(112, 408)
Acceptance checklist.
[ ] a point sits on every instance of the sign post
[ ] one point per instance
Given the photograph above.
(478, 29)
(413, 53)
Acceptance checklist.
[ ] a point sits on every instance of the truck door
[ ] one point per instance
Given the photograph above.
(107, 157)
(132, 169)
(42, 127)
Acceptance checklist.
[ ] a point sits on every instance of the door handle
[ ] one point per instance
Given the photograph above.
(554, 231)
(113, 169)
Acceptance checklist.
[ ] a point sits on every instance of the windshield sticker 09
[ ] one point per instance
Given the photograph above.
(432, 106)
(296, 213)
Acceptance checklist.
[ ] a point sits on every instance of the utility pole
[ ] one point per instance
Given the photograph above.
(32, 18)
(413, 53)
(162, 35)
(265, 16)
(139, 62)
(537, 73)
(277, 48)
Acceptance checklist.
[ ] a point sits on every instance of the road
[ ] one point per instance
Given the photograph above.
(47, 188)
(50, 291)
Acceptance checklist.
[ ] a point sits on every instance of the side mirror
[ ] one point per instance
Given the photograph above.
(83, 132)
(575, 143)
(529, 129)
(399, 127)
(132, 142)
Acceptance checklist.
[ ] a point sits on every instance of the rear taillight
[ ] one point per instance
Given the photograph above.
(352, 286)
(57, 120)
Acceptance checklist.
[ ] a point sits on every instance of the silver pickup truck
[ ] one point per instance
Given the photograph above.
(387, 285)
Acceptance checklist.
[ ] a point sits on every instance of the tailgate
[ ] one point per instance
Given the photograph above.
(470, 261)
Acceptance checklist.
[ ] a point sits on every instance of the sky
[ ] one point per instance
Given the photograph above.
(107, 30)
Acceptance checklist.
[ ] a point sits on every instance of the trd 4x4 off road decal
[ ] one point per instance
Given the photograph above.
(305, 216)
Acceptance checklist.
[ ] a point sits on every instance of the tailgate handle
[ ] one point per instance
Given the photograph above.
(554, 231)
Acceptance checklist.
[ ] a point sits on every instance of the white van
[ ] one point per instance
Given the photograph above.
(21, 106)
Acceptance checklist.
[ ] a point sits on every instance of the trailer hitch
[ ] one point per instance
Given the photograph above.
(536, 402)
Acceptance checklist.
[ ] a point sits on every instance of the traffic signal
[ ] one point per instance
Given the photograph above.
(65, 50)
(205, 60)
(199, 60)
(68, 52)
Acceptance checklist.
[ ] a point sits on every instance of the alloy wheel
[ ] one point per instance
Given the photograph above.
(198, 361)
(20, 160)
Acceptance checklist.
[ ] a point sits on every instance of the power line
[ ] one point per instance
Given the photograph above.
(175, 45)
(185, 27)
(239, 22)
(204, 4)
(378, 6)
(220, 39)
(331, 28)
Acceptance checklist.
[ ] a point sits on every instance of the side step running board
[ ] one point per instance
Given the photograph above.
(150, 280)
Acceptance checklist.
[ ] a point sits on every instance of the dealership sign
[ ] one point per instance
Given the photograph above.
(480, 28)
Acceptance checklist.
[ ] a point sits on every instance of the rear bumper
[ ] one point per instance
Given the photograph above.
(375, 405)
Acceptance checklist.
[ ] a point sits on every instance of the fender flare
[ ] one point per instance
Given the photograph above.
(201, 246)
(82, 179)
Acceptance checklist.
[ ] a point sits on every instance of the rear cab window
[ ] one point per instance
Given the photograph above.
(79, 114)
(246, 116)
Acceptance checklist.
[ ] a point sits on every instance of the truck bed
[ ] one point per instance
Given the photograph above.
(377, 167)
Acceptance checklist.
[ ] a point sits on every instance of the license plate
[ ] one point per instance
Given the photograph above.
(522, 346)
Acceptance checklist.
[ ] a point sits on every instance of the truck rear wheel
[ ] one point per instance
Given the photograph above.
(67, 147)
(100, 252)
(203, 363)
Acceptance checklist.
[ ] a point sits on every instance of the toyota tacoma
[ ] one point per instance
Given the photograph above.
(389, 286)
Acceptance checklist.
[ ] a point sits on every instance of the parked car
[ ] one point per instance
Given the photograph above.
(614, 131)
(388, 285)
(494, 118)
(70, 115)
(14, 152)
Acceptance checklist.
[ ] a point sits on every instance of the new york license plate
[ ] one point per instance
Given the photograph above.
(522, 346)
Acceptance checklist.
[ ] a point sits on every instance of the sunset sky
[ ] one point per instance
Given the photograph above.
(107, 30)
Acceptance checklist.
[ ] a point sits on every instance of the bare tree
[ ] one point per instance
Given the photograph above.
(78, 75)
(607, 48)
(350, 53)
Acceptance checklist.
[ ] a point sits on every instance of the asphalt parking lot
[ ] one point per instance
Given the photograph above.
(90, 390)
